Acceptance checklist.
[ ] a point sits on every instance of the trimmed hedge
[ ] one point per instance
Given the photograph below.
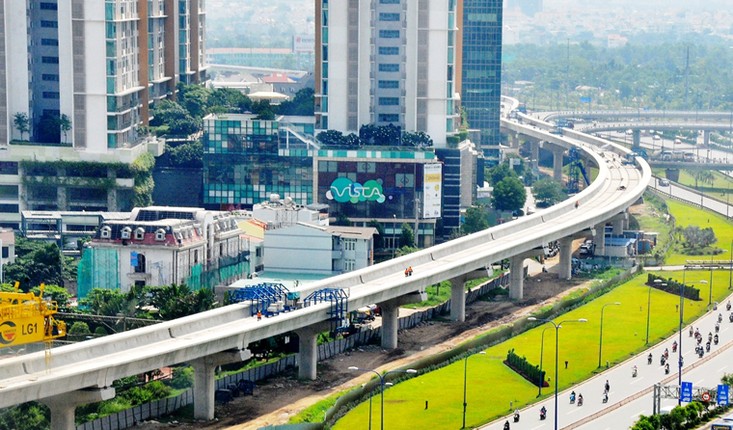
(672, 287)
(529, 371)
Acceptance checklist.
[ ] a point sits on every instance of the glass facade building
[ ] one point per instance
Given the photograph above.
(481, 73)
(247, 159)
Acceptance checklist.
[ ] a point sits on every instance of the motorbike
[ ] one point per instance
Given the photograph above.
(730, 318)
(720, 318)
(649, 359)
(506, 425)
(717, 328)
(662, 361)
(516, 418)
(727, 306)
(707, 347)
(580, 400)
(543, 413)
(715, 339)
(605, 398)
(674, 347)
(700, 352)
(666, 369)
(572, 398)
(634, 372)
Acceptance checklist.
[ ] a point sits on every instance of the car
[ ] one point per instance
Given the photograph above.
(663, 182)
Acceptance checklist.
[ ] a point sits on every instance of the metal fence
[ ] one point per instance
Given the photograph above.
(133, 416)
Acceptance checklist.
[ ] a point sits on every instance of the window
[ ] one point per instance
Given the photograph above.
(50, 77)
(389, 101)
(48, 6)
(389, 50)
(51, 95)
(126, 232)
(389, 67)
(50, 60)
(106, 232)
(139, 233)
(50, 42)
(140, 267)
(389, 117)
(389, 34)
(389, 84)
(349, 244)
(349, 265)
(389, 16)
(389, 1)
(160, 235)
(49, 24)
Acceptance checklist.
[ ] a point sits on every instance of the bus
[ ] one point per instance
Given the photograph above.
(725, 423)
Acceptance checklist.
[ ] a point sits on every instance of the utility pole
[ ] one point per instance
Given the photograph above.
(687, 75)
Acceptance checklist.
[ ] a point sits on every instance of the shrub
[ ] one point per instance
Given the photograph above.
(182, 378)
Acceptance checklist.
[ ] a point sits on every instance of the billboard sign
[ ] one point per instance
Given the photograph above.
(304, 43)
(432, 190)
(722, 396)
(345, 190)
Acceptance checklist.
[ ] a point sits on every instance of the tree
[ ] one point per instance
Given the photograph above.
(407, 237)
(418, 139)
(35, 263)
(548, 192)
(379, 237)
(187, 154)
(331, 138)
(22, 123)
(101, 301)
(704, 176)
(64, 124)
(56, 294)
(697, 238)
(475, 220)
(509, 194)
(263, 110)
(302, 104)
(194, 98)
(227, 100)
(177, 300)
(499, 172)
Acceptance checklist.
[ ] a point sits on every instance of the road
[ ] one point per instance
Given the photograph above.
(693, 197)
(629, 397)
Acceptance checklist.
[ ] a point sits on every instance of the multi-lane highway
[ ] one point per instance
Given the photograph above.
(630, 397)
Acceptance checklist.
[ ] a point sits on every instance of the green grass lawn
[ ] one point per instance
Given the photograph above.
(492, 386)
(493, 389)
(687, 215)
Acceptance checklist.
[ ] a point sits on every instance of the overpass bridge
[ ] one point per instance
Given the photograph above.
(84, 372)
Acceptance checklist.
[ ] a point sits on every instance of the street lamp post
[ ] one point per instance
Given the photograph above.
(542, 354)
(465, 373)
(679, 347)
(381, 377)
(600, 342)
(730, 266)
(557, 328)
(649, 308)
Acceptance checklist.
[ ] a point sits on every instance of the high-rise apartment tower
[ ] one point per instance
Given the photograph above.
(388, 62)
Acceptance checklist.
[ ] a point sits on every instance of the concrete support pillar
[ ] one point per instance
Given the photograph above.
(566, 258)
(557, 164)
(600, 239)
(63, 406)
(636, 140)
(204, 382)
(618, 226)
(515, 140)
(535, 154)
(706, 137)
(516, 277)
(308, 349)
(458, 299)
(390, 316)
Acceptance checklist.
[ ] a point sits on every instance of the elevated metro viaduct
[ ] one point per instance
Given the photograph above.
(84, 372)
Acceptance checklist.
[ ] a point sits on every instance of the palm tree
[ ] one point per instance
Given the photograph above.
(22, 123)
(65, 124)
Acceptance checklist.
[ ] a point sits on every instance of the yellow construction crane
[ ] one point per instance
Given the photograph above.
(27, 318)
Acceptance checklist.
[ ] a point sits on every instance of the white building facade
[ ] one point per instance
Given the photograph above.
(311, 249)
(388, 62)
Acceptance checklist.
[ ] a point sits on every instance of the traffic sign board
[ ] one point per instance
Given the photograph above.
(722, 398)
(686, 392)
(706, 397)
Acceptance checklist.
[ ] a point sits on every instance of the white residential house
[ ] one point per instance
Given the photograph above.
(308, 248)
(165, 245)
